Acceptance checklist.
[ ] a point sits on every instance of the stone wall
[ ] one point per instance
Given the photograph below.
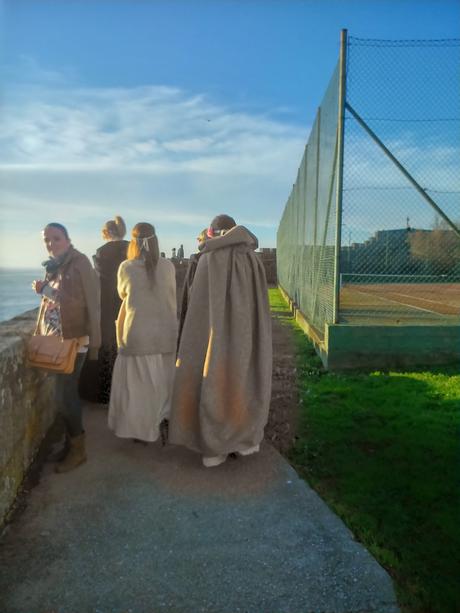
(27, 408)
(268, 257)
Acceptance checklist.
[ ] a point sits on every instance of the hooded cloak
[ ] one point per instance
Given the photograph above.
(223, 372)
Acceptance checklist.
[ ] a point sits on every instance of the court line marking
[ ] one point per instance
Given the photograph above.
(420, 298)
(401, 303)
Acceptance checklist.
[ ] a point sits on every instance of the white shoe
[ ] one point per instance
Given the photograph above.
(214, 461)
(250, 450)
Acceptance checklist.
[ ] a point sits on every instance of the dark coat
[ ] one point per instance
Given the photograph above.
(189, 275)
(106, 262)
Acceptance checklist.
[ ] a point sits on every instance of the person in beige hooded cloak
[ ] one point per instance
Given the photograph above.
(222, 386)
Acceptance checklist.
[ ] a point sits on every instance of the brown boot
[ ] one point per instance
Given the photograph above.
(76, 455)
(59, 450)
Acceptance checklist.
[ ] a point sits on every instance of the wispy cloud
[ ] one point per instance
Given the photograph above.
(376, 193)
(159, 129)
(81, 154)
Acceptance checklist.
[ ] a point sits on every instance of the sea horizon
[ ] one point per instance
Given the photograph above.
(33, 268)
(16, 291)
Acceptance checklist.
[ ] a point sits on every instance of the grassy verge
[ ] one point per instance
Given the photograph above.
(382, 449)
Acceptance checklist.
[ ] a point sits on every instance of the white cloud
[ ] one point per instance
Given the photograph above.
(80, 155)
(433, 160)
(145, 127)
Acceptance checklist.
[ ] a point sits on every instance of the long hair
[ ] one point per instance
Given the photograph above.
(114, 228)
(202, 236)
(144, 246)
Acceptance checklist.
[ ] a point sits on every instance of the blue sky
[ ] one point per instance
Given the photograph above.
(169, 111)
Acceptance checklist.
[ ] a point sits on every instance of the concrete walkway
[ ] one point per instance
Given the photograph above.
(146, 529)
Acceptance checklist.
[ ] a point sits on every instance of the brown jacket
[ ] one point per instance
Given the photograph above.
(79, 298)
(223, 372)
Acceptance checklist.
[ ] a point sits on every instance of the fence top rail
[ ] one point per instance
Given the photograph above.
(350, 277)
(414, 42)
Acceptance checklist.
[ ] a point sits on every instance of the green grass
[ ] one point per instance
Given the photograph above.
(382, 449)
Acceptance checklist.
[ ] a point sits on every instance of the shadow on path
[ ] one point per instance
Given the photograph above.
(146, 529)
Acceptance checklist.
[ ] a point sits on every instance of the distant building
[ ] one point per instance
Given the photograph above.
(403, 251)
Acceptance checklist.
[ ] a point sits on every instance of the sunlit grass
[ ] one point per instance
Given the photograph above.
(382, 449)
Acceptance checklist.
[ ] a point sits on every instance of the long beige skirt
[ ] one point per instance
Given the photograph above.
(140, 397)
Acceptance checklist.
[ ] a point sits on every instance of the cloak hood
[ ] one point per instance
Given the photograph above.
(238, 235)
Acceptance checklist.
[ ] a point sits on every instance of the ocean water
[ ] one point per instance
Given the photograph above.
(16, 293)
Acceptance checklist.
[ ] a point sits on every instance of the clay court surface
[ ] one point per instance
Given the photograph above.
(408, 303)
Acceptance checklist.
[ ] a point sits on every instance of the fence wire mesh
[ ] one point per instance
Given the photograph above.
(306, 235)
(399, 259)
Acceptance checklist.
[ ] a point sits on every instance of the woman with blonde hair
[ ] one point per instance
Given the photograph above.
(96, 386)
(146, 337)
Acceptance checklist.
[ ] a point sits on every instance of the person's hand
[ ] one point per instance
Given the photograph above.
(37, 286)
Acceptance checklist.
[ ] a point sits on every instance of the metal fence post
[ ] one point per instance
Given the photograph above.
(340, 143)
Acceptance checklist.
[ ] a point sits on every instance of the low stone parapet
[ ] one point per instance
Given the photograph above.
(268, 257)
(27, 408)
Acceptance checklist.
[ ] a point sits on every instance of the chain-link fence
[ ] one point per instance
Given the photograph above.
(307, 232)
(389, 251)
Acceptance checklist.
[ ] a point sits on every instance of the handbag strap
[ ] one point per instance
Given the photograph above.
(41, 311)
(40, 316)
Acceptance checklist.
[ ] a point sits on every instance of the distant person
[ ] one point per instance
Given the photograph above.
(146, 336)
(180, 252)
(162, 254)
(106, 262)
(224, 364)
(189, 275)
(173, 253)
(70, 308)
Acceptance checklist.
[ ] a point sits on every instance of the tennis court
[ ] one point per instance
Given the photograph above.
(368, 247)
(395, 301)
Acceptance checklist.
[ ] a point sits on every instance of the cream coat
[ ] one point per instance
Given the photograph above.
(147, 321)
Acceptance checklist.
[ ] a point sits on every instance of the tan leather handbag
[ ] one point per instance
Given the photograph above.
(51, 353)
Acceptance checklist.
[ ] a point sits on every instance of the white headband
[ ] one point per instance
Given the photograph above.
(144, 242)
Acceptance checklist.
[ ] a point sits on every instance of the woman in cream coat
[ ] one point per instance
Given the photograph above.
(146, 338)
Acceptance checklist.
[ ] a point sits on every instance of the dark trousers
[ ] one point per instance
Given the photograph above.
(68, 399)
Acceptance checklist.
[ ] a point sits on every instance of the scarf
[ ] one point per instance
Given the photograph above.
(52, 264)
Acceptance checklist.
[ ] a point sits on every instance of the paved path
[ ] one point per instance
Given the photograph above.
(145, 529)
